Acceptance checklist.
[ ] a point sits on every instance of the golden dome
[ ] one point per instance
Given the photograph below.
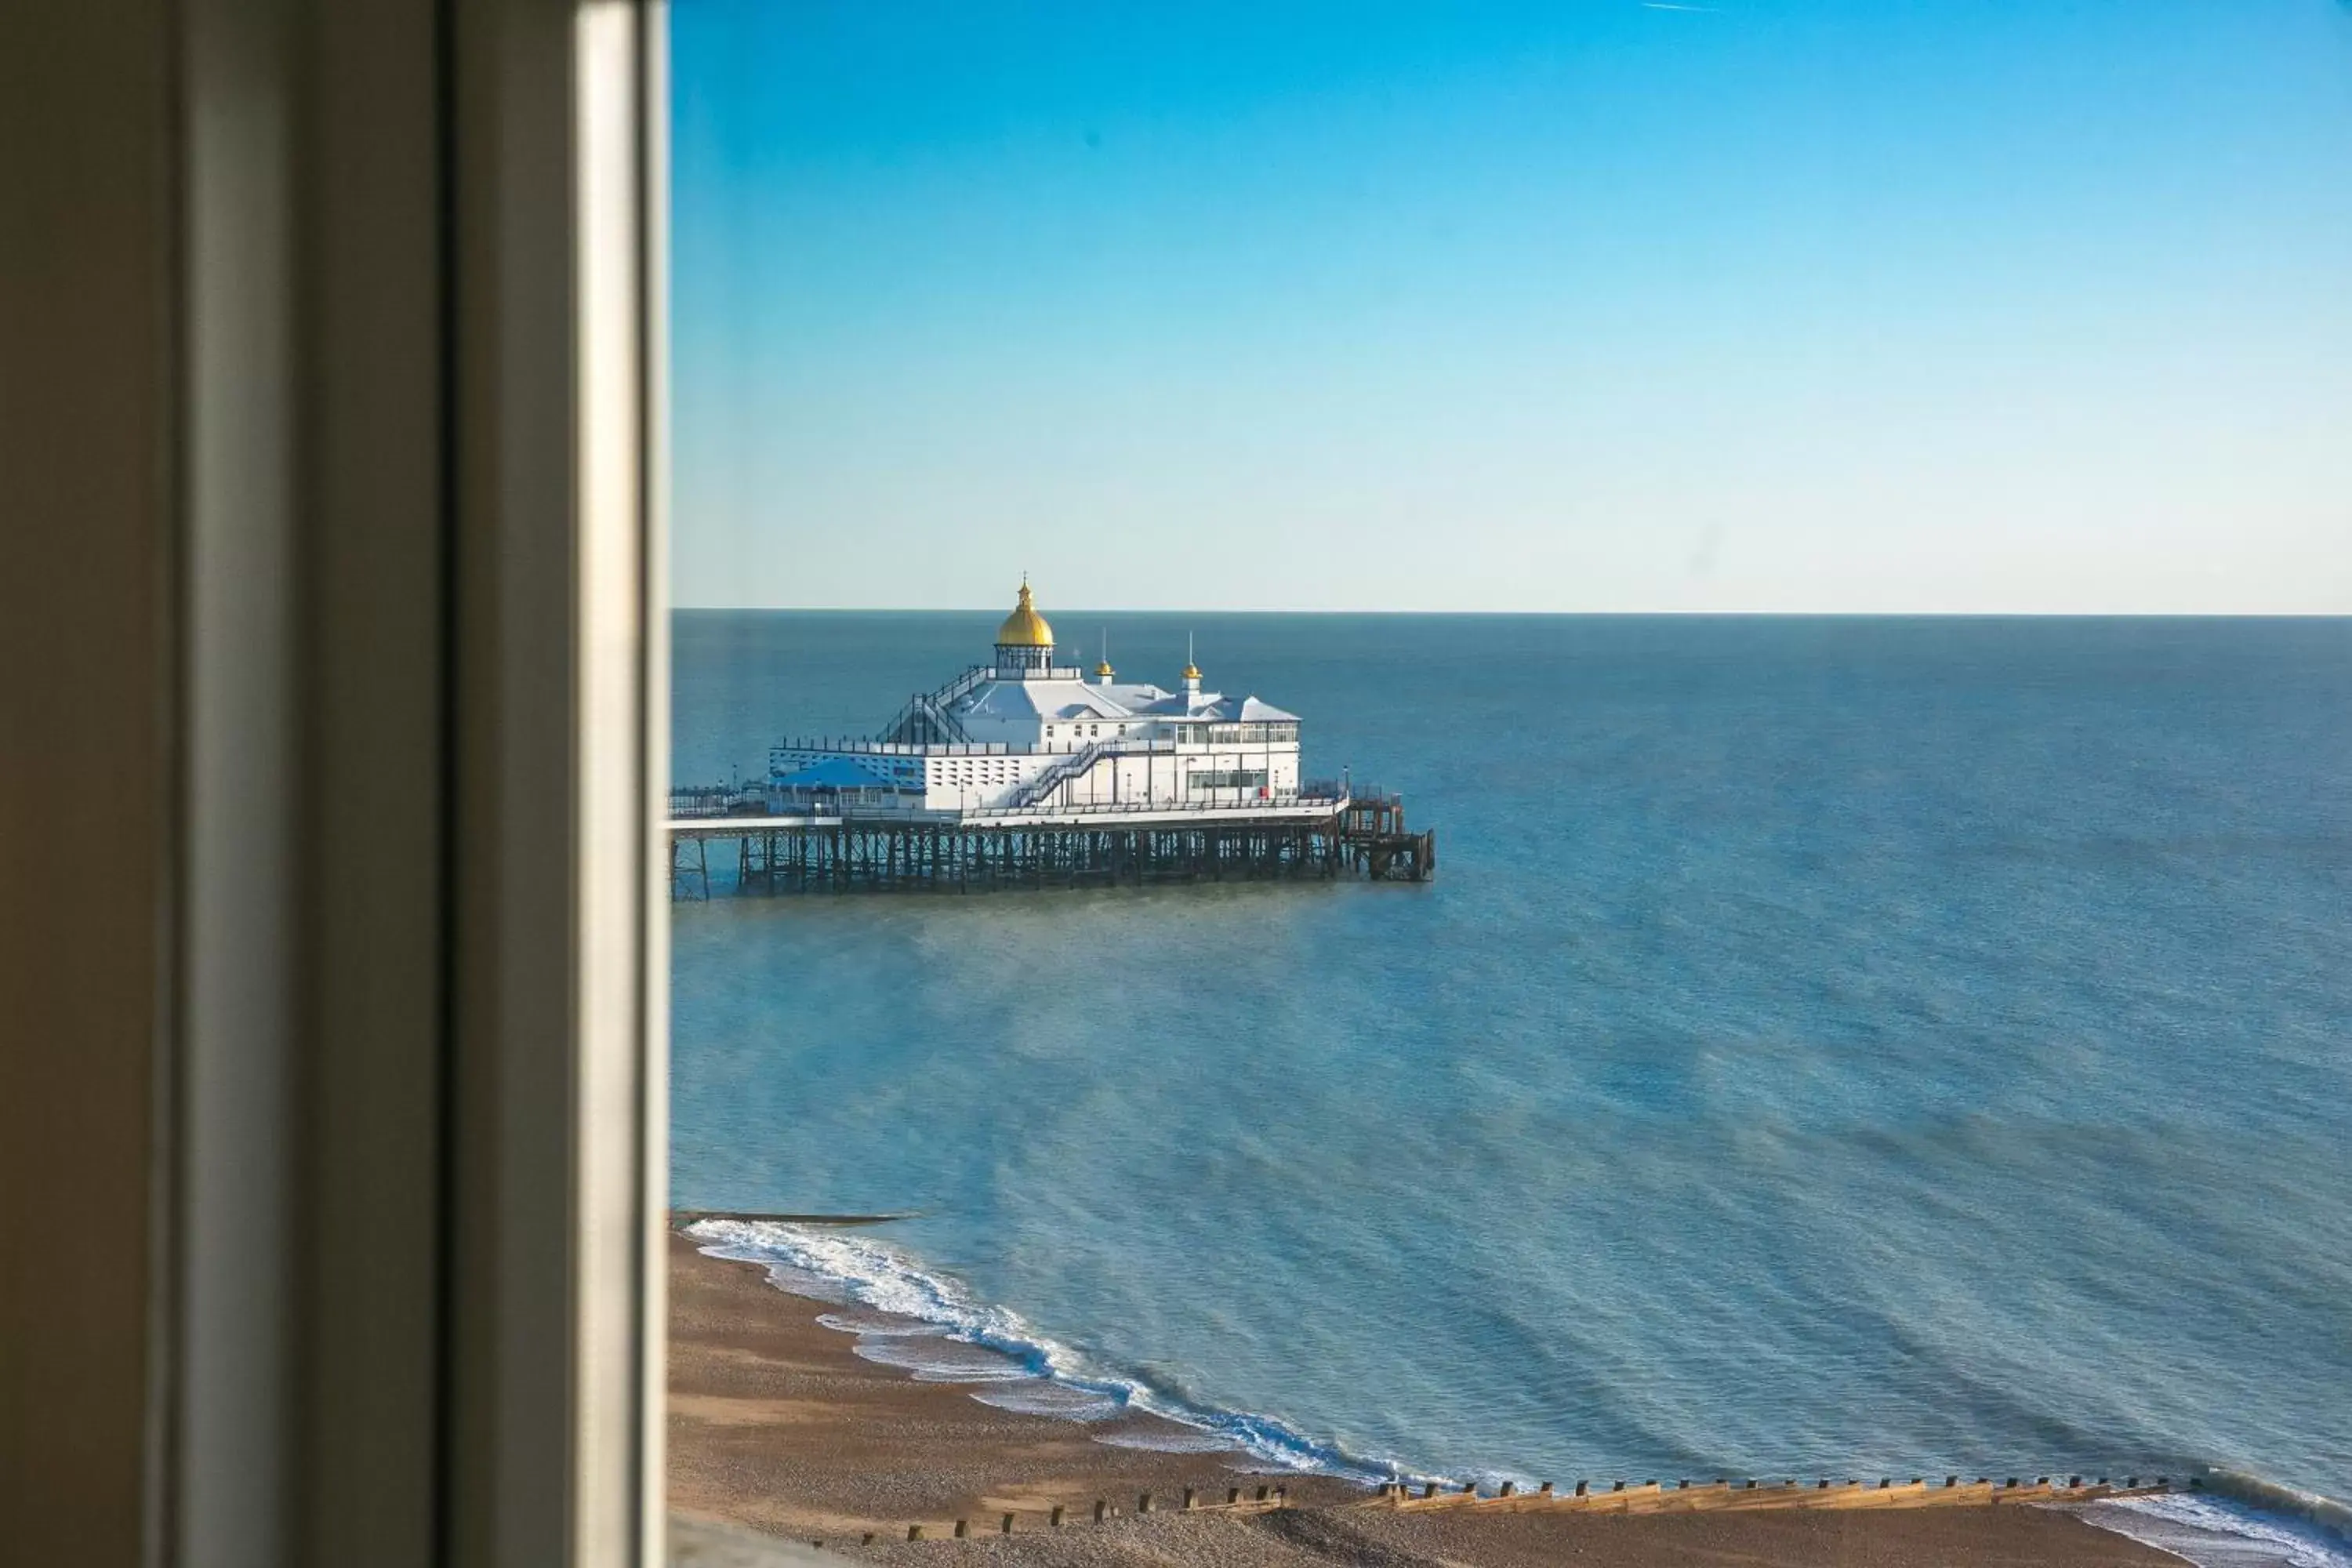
(1191, 672)
(1025, 628)
(1105, 670)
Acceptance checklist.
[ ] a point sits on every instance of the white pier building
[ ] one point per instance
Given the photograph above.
(1027, 737)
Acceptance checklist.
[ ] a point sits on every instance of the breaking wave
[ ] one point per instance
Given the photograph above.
(955, 1338)
(2216, 1530)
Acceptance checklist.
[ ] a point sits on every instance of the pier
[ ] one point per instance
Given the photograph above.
(1026, 772)
(1313, 835)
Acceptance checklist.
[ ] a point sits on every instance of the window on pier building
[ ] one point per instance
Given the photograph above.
(1230, 779)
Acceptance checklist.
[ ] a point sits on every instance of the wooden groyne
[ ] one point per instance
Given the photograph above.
(1724, 1496)
(1363, 835)
(1189, 1500)
(1721, 1496)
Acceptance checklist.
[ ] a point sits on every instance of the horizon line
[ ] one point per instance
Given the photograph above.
(1534, 615)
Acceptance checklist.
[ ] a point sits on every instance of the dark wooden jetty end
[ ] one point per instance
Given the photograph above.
(1363, 834)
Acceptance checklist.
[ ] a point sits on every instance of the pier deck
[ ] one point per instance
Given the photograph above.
(1358, 834)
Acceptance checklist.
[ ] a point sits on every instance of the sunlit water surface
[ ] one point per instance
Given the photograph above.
(1847, 1047)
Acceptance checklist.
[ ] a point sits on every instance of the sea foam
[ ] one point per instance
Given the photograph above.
(955, 1337)
(2223, 1532)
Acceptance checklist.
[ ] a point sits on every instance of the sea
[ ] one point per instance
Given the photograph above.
(1836, 1046)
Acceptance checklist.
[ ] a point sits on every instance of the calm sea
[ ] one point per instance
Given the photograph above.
(1845, 1046)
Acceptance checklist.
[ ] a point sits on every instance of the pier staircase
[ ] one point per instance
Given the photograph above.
(1075, 765)
(929, 718)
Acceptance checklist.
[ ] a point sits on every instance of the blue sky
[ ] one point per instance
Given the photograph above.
(1805, 305)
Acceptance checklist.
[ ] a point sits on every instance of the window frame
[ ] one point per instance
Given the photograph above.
(350, 469)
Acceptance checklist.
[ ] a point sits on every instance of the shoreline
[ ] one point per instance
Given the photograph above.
(778, 1424)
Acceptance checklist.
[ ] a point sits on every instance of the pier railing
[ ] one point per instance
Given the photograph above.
(956, 688)
(717, 801)
(1286, 799)
(1362, 794)
(868, 747)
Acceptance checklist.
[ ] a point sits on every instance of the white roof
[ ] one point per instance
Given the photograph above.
(1021, 701)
